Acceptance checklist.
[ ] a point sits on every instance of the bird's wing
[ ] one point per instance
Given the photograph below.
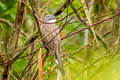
(50, 32)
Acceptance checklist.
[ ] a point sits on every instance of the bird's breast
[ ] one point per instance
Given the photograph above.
(50, 28)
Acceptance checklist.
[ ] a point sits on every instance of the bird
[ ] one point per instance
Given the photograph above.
(51, 37)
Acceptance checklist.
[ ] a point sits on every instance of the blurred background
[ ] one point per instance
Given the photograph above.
(88, 53)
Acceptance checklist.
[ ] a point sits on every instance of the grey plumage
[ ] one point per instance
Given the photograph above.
(52, 32)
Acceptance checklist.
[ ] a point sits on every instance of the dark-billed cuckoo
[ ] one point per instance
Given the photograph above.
(51, 37)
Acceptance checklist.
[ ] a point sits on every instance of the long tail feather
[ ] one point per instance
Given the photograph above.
(59, 62)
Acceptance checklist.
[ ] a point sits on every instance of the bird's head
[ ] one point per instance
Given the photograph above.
(50, 18)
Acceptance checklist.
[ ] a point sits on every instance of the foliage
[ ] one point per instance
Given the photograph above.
(81, 61)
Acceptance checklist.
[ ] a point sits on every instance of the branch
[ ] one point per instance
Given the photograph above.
(14, 38)
(17, 25)
(7, 22)
(93, 25)
(62, 8)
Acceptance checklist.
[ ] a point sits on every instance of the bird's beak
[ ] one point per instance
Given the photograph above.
(56, 17)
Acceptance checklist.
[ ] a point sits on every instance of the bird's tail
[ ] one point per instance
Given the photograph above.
(59, 62)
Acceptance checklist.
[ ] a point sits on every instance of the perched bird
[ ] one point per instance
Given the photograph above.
(51, 37)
